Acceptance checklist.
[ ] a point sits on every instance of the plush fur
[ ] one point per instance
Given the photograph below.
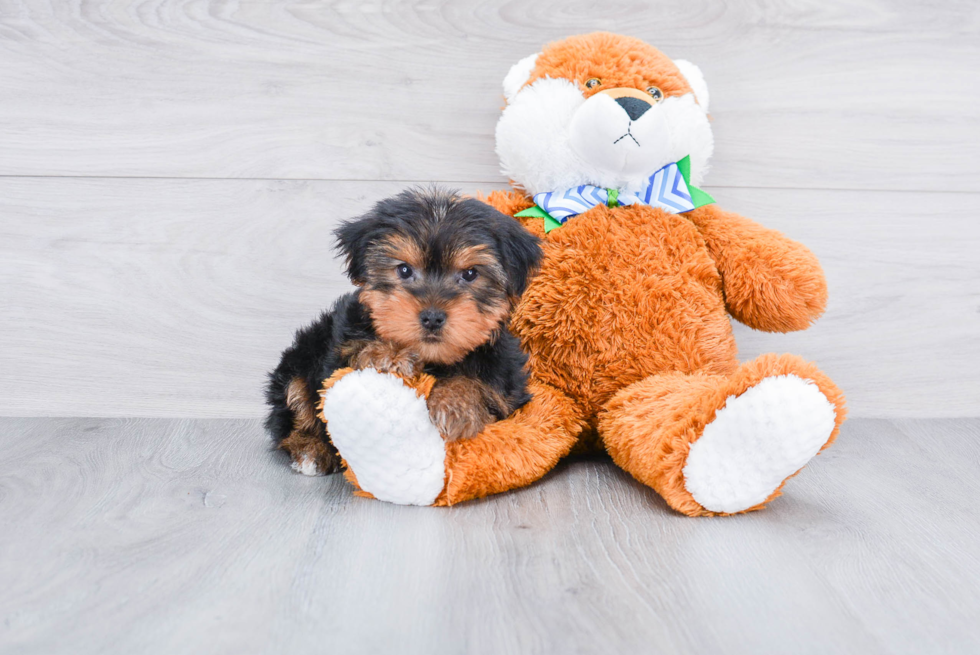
(557, 133)
(627, 323)
(508, 453)
(417, 311)
(649, 427)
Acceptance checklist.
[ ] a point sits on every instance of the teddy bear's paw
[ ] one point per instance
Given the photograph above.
(756, 441)
(382, 429)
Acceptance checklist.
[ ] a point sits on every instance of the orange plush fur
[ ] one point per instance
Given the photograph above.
(627, 322)
(619, 61)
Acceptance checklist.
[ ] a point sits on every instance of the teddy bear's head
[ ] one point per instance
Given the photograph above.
(601, 109)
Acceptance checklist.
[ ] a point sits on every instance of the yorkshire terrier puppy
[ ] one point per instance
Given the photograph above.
(438, 277)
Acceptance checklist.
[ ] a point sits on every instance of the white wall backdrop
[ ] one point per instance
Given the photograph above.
(170, 174)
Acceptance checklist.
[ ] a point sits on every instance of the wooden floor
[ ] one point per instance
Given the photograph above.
(190, 536)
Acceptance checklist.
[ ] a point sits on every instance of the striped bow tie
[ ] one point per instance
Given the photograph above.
(669, 188)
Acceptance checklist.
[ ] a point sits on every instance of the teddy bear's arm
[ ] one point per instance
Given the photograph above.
(512, 202)
(771, 283)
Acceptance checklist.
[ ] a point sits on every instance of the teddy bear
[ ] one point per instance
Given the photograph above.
(606, 141)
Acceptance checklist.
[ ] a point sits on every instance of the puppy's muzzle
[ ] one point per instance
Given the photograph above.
(432, 319)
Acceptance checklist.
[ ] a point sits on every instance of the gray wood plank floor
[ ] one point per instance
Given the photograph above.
(179, 536)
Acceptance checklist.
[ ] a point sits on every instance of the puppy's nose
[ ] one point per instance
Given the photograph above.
(634, 107)
(432, 319)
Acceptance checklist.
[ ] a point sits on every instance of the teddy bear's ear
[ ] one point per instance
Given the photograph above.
(518, 75)
(696, 79)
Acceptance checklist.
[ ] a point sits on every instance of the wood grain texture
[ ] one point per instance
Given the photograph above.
(174, 536)
(850, 126)
(875, 94)
(174, 297)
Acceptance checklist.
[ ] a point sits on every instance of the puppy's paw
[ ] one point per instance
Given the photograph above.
(386, 357)
(314, 465)
(310, 455)
(458, 408)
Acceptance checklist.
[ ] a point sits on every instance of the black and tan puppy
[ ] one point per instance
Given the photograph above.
(438, 276)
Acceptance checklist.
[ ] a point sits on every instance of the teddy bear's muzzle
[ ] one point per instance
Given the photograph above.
(620, 133)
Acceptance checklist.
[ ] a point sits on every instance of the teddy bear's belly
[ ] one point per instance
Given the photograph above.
(622, 294)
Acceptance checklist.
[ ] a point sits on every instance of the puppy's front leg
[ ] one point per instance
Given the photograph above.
(459, 407)
(384, 357)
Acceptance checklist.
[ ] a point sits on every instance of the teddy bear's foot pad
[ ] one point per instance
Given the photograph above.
(381, 428)
(756, 441)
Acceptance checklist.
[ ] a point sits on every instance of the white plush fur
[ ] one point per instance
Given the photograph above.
(382, 428)
(518, 74)
(756, 441)
(695, 78)
(622, 150)
(550, 137)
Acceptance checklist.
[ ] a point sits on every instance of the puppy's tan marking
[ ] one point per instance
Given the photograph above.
(459, 407)
(386, 357)
(298, 400)
(461, 259)
(404, 249)
(394, 314)
(310, 455)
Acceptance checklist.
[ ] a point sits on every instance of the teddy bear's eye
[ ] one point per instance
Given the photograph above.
(592, 82)
(655, 93)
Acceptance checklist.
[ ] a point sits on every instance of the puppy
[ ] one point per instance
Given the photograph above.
(438, 277)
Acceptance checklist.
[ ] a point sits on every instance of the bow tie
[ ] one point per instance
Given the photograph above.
(669, 188)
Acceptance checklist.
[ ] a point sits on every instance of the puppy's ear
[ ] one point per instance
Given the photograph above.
(356, 237)
(519, 250)
(353, 238)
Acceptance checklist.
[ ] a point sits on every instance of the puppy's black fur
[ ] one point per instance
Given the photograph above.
(473, 356)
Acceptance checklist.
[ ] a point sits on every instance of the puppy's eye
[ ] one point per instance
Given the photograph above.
(655, 93)
(468, 275)
(592, 82)
(404, 271)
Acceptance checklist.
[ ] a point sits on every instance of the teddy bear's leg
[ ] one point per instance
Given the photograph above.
(382, 429)
(514, 452)
(717, 444)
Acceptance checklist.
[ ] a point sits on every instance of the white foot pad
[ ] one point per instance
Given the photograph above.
(382, 428)
(756, 441)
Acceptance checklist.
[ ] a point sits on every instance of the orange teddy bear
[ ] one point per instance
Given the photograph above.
(627, 322)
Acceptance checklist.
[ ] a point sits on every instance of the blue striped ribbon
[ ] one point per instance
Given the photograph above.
(668, 189)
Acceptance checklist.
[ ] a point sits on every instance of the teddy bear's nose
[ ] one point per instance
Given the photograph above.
(634, 107)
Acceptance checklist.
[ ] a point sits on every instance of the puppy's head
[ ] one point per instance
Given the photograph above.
(601, 109)
(439, 273)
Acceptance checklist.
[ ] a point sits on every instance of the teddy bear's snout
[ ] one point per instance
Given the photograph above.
(634, 107)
